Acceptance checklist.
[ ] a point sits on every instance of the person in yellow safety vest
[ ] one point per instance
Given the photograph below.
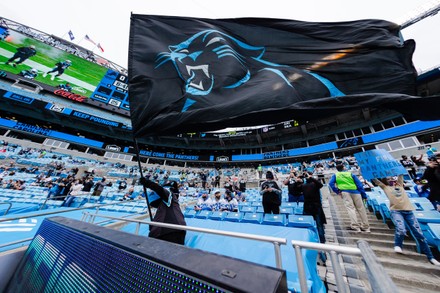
(350, 188)
(260, 171)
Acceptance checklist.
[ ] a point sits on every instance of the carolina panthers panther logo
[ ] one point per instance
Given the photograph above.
(212, 59)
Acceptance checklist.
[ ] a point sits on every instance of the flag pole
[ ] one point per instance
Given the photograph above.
(142, 175)
(80, 41)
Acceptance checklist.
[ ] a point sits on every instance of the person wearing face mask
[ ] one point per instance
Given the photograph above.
(218, 202)
(402, 213)
(204, 202)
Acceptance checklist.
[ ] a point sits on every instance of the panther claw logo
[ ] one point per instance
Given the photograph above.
(212, 59)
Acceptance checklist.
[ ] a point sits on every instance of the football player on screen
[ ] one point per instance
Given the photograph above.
(59, 68)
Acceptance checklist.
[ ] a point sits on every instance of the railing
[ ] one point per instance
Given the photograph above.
(7, 210)
(53, 212)
(274, 240)
(379, 280)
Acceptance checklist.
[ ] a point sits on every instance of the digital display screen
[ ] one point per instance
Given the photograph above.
(65, 260)
(40, 62)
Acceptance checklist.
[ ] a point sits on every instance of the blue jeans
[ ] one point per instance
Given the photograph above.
(408, 217)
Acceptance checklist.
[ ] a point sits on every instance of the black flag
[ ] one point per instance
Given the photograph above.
(188, 74)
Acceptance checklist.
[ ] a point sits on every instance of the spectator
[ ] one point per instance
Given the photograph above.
(312, 203)
(122, 184)
(294, 188)
(218, 201)
(168, 211)
(228, 185)
(421, 187)
(349, 187)
(74, 190)
(271, 195)
(409, 166)
(432, 174)
(402, 214)
(430, 152)
(129, 194)
(260, 171)
(88, 185)
(242, 184)
(55, 189)
(22, 54)
(217, 181)
(231, 204)
(99, 187)
(418, 160)
(204, 202)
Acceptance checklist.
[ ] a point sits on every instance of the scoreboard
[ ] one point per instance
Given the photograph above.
(113, 90)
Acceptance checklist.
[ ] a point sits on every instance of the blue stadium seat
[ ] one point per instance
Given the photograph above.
(288, 205)
(189, 213)
(257, 204)
(204, 214)
(260, 210)
(302, 221)
(233, 217)
(299, 210)
(247, 209)
(433, 234)
(286, 211)
(427, 216)
(274, 220)
(217, 215)
(244, 204)
(254, 218)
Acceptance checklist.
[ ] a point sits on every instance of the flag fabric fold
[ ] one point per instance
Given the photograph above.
(100, 47)
(188, 74)
(71, 36)
(90, 40)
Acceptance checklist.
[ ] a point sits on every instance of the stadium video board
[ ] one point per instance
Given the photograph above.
(62, 72)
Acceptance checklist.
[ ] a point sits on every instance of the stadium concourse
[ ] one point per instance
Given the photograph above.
(67, 160)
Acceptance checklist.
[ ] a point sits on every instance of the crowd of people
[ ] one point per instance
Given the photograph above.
(63, 179)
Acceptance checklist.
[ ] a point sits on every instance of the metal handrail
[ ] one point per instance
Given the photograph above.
(16, 242)
(379, 279)
(52, 212)
(10, 206)
(276, 241)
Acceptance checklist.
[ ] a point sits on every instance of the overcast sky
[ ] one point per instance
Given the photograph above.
(108, 21)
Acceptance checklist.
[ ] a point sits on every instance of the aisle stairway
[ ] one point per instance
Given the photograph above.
(410, 271)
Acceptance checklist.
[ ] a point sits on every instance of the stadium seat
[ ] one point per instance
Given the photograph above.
(433, 234)
(286, 211)
(189, 213)
(217, 215)
(204, 214)
(302, 221)
(274, 220)
(254, 218)
(247, 209)
(259, 210)
(233, 217)
(257, 204)
(427, 216)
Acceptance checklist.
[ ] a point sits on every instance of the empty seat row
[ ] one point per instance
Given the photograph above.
(291, 220)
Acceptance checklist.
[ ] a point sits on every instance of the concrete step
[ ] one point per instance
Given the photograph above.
(410, 271)
(378, 227)
(407, 255)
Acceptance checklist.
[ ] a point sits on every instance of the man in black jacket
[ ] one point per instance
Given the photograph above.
(432, 174)
(271, 195)
(312, 203)
(168, 211)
